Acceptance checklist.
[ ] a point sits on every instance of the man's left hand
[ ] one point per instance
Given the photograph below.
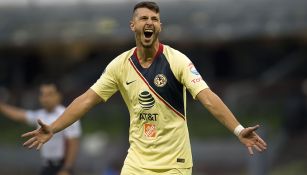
(252, 140)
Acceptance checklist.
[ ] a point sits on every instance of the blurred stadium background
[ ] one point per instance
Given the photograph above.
(252, 53)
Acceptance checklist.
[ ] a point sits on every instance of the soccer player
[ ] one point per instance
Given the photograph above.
(59, 154)
(152, 79)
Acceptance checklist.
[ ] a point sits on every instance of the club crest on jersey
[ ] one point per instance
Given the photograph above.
(160, 80)
(146, 100)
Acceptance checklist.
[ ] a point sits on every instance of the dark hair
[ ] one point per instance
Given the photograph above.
(147, 4)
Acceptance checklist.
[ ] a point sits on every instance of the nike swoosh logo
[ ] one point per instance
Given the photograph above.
(129, 82)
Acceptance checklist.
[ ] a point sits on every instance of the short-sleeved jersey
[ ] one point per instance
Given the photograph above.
(156, 100)
(55, 148)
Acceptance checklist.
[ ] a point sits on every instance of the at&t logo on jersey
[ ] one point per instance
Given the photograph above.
(146, 100)
(148, 116)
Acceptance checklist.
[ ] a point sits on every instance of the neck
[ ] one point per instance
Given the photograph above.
(147, 54)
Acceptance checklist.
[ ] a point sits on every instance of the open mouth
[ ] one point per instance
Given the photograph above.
(148, 33)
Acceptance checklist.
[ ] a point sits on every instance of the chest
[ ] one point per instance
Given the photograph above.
(145, 85)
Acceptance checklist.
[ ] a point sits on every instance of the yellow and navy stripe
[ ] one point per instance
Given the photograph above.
(172, 93)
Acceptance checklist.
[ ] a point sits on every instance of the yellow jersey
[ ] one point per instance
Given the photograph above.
(156, 100)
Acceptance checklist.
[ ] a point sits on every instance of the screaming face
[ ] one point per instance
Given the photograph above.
(146, 25)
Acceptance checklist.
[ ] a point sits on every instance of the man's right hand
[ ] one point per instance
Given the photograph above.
(39, 136)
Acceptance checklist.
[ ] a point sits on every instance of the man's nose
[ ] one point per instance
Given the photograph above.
(149, 21)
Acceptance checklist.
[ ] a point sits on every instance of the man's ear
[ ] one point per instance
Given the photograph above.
(132, 26)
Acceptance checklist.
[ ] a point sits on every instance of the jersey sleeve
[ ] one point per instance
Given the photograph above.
(188, 75)
(31, 117)
(106, 85)
(73, 131)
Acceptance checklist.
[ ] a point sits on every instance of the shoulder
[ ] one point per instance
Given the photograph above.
(123, 57)
(175, 57)
(171, 52)
(118, 63)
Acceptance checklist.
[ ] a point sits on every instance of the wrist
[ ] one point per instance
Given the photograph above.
(53, 129)
(238, 130)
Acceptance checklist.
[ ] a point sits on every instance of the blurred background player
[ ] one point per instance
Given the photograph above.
(60, 153)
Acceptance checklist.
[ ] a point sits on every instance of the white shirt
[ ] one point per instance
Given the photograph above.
(55, 147)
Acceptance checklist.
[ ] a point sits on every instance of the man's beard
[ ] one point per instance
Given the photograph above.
(146, 45)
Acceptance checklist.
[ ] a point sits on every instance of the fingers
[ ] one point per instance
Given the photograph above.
(29, 134)
(257, 148)
(41, 123)
(39, 146)
(36, 144)
(250, 150)
(33, 142)
(36, 139)
(261, 141)
(258, 144)
(44, 127)
(30, 141)
(261, 146)
(252, 141)
(252, 129)
(247, 132)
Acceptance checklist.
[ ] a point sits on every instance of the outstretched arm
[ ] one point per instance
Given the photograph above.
(80, 106)
(73, 112)
(12, 112)
(222, 113)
